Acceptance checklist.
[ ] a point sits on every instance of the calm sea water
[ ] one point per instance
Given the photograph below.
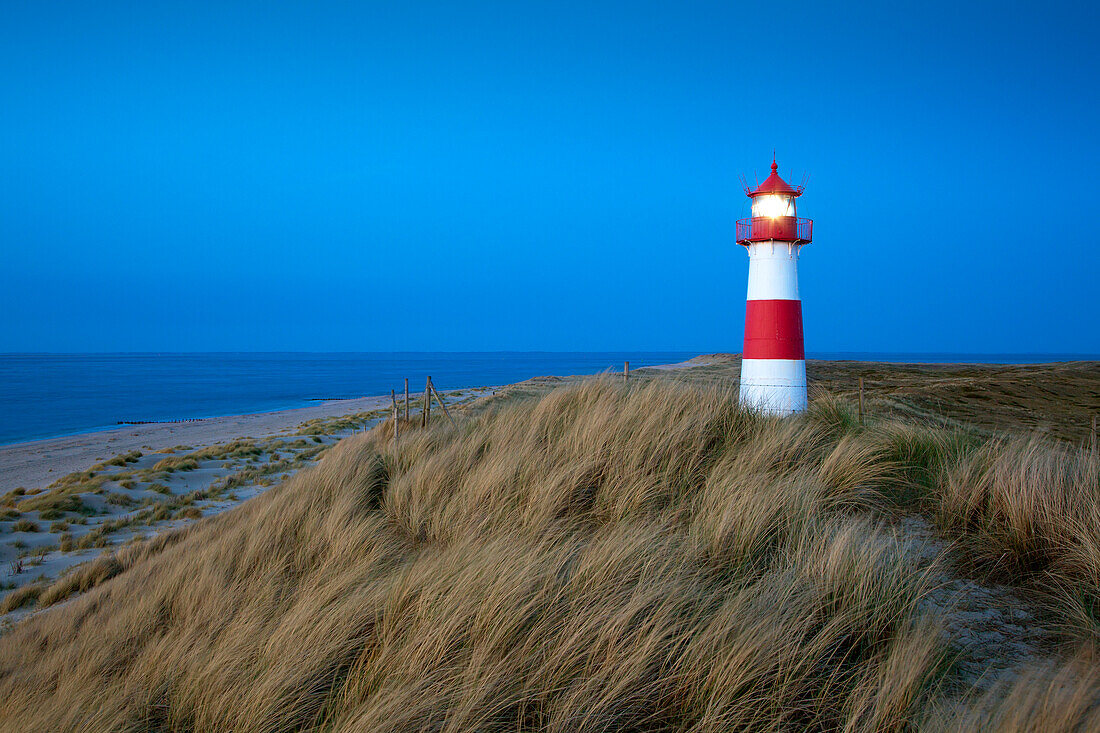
(45, 395)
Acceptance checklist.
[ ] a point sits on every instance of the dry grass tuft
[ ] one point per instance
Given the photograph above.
(23, 596)
(25, 525)
(88, 575)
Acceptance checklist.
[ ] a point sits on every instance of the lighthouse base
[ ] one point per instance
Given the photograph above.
(773, 386)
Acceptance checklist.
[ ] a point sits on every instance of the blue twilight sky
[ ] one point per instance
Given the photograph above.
(542, 175)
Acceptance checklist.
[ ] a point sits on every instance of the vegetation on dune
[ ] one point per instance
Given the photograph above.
(175, 463)
(119, 499)
(63, 498)
(119, 460)
(600, 558)
(20, 597)
(1049, 697)
(260, 473)
(90, 574)
(1057, 399)
(9, 498)
(340, 424)
(1030, 512)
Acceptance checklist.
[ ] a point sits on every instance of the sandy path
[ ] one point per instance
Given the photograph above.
(38, 463)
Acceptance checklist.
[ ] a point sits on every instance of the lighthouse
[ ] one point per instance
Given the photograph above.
(773, 365)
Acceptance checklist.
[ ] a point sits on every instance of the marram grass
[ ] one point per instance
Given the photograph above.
(598, 559)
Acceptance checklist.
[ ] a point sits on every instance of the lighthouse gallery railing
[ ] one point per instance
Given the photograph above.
(784, 228)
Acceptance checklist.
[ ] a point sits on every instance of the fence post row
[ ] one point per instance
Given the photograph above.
(406, 399)
(626, 372)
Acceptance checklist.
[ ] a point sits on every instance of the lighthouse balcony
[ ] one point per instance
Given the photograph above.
(782, 228)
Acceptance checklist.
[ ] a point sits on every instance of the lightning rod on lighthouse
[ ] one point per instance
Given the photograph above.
(773, 365)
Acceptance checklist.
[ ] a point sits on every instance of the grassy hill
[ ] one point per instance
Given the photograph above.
(589, 555)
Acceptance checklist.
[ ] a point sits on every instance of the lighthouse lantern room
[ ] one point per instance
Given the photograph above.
(773, 365)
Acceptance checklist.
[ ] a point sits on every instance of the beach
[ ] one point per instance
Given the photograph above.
(35, 464)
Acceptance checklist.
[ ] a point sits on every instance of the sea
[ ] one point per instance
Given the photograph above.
(49, 395)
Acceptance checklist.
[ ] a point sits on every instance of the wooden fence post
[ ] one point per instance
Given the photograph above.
(861, 400)
(626, 372)
(1094, 434)
(426, 415)
(406, 399)
(439, 399)
(393, 399)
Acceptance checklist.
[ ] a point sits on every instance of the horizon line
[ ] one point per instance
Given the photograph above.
(539, 351)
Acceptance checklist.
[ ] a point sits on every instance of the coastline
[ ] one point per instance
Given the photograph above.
(34, 464)
(37, 463)
(134, 482)
(60, 395)
(71, 501)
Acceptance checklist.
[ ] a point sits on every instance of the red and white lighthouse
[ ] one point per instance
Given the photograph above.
(773, 366)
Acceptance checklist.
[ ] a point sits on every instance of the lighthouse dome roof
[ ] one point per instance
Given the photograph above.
(775, 184)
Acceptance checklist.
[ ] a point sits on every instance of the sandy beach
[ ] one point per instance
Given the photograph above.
(36, 464)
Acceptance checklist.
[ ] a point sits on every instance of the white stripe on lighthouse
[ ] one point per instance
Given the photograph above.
(773, 271)
(776, 386)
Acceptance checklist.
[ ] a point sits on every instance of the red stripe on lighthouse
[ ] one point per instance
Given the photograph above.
(773, 329)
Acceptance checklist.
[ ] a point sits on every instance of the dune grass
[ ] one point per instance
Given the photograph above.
(342, 423)
(1029, 511)
(600, 558)
(121, 460)
(25, 596)
(63, 498)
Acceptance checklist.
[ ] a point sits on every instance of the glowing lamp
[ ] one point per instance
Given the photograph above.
(773, 205)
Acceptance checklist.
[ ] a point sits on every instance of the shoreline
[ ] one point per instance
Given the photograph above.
(34, 464)
(38, 431)
(122, 425)
(309, 402)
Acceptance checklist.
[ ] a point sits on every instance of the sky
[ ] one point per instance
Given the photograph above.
(559, 176)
